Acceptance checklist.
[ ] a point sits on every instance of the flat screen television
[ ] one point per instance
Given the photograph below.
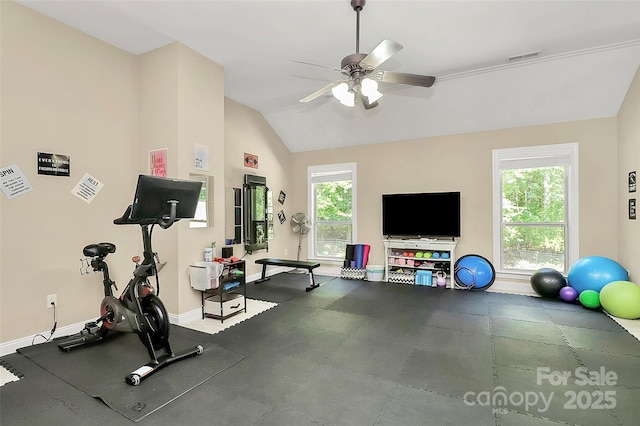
(153, 192)
(429, 214)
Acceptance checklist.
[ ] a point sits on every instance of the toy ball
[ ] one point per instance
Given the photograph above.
(474, 272)
(594, 272)
(548, 282)
(568, 294)
(621, 299)
(589, 299)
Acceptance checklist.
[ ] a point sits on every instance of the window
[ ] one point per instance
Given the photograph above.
(535, 208)
(332, 207)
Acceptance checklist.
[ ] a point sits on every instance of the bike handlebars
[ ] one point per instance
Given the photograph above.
(164, 221)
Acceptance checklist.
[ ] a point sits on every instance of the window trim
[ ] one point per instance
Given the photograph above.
(538, 156)
(350, 172)
(207, 185)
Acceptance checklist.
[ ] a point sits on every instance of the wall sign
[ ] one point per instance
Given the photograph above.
(632, 181)
(250, 160)
(281, 197)
(632, 208)
(87, 188)
(158, 162)
(202, 157)
(13, 182)
(53, 164)
(281, 217)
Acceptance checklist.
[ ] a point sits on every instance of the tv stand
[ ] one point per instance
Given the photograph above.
(405, 258)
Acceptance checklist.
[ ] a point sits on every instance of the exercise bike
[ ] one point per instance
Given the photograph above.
(139, 309)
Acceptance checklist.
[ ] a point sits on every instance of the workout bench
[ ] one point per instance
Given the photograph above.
(309, 266)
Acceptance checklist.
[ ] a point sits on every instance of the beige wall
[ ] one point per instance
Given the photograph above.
(67, 93)
(629, 160)
(62, 93)
(463, 163)
(181, 104)
(247, 131)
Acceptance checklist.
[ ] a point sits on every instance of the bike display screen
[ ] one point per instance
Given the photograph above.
(154, 196)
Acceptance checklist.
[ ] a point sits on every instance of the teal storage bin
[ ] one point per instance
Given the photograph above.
(424, 278)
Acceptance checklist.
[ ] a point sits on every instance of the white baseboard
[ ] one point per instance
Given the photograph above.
(196, 314)
(186, 318)
(10, 347)
(328, 270)
(512, 287)
(177, 319)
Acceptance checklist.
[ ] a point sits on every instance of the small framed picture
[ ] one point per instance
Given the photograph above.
(632, 208)
(158, 162)
(250, 160)
(281, 197)
(201, 157)
(632, 181)
(281, 217)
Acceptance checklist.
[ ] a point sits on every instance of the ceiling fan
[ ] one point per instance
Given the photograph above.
(362, 73)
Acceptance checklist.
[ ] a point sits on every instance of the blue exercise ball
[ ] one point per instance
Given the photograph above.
(474, 272)
(594, 272)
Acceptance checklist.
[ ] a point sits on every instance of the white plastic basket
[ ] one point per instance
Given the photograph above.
(375, 273)
(204, 275)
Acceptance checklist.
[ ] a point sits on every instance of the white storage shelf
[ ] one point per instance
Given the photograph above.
(405, 258)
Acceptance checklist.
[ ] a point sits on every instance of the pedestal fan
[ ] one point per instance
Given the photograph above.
(300, 224)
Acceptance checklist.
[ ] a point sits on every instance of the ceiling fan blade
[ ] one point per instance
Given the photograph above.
(404, 78)
(321, 92)
(365, 101)
(317, 65)
(382, 52)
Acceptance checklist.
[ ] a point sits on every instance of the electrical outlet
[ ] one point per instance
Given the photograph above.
(52, 299)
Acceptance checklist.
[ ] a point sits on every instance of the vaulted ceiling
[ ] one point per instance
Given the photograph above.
(584, 56)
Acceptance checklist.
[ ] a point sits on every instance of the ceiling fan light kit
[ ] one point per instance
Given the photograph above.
(359, 66)
(344, 94)
(369, 89)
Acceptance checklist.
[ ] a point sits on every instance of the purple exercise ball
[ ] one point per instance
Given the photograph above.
(568, 294)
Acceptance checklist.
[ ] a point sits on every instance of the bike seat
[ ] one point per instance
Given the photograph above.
(99, 249)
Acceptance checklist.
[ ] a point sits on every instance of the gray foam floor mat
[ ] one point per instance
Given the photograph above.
(364, 353)
(99, 370)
